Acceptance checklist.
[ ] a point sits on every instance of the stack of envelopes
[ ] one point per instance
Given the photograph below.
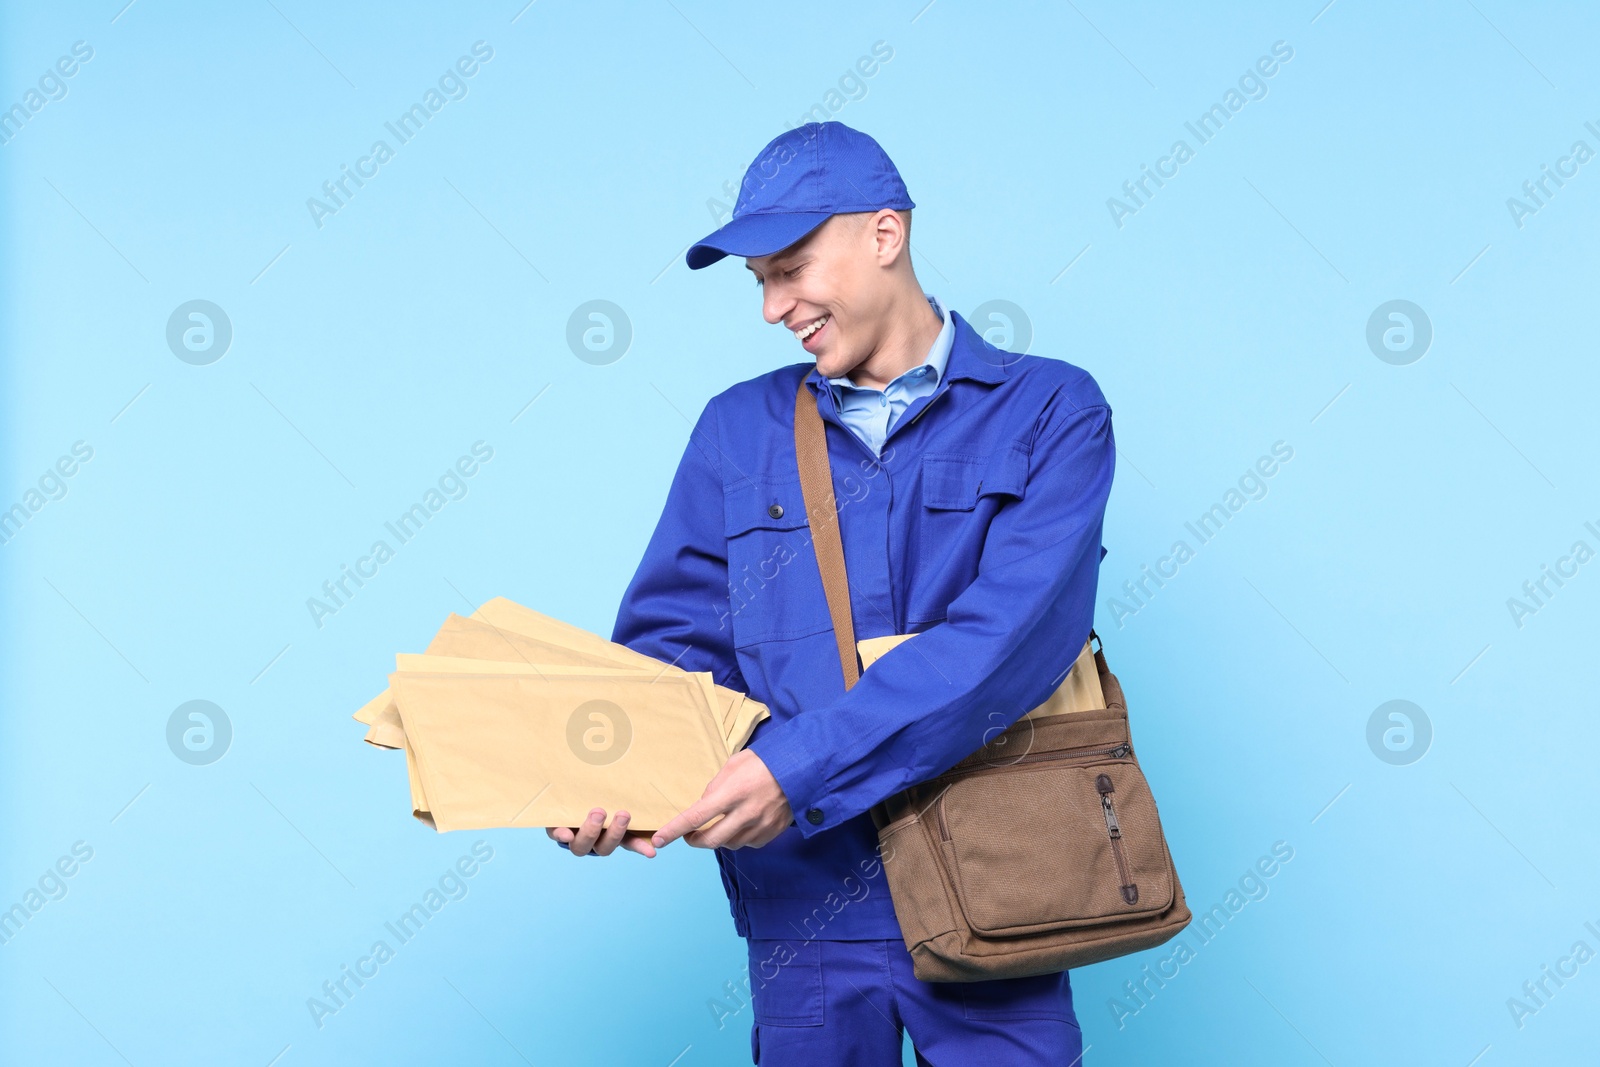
(512, 718)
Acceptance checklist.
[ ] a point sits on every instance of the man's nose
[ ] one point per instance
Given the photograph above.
(774, 304)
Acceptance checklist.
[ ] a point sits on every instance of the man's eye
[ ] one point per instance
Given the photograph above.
(791, 273)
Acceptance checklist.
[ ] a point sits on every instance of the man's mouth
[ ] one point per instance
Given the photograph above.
(809, 331)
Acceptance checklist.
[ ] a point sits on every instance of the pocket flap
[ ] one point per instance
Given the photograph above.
(763, 504)
(1030, 849)
(954, 481)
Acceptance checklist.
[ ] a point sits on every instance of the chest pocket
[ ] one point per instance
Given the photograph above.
(960, 494)
(774, 591)
(763, 504)
(956, 482)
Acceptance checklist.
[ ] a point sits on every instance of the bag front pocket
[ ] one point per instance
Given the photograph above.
(1060, 839)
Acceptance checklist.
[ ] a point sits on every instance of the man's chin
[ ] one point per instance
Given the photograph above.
(829, 367)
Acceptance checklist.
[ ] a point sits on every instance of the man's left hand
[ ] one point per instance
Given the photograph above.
(749, 801)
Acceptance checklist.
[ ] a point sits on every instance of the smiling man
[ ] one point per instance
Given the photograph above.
(971, 485)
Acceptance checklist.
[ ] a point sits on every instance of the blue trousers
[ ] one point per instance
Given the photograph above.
(849, 1003)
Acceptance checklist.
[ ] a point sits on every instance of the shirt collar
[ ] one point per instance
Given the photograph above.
(938, 354)
(968, 356)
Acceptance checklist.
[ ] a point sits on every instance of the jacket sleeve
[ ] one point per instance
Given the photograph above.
(1006, 642)
(675, 608)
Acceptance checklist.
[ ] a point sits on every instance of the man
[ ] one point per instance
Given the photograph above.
(971, 487)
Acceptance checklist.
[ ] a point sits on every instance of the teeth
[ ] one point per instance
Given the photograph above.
(813, 328)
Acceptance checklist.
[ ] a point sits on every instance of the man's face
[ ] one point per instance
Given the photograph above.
(832, 276)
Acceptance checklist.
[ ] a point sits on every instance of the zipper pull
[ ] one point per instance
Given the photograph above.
(1111, 817)
(1104, 786)
(1120, 751)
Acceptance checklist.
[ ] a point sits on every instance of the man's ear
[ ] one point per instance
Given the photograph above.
(890, 234)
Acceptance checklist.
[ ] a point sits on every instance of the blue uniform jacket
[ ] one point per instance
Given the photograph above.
(978, 529)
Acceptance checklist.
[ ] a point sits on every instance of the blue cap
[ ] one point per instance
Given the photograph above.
(796, 183)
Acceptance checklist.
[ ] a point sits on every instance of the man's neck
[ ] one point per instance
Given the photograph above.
(913, 326)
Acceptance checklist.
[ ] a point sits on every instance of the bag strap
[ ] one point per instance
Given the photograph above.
(816, 486)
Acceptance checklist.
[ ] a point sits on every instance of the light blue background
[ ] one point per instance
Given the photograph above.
(1227, 314)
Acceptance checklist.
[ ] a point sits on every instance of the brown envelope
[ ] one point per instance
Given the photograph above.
(505, 640)
(743, 714)
(504, 631)
(478, 640)
(420, 806)
(511, 746)
(512, 616)
(419, 799)
(1080, 691)
(739, 721)
(742, 719)
(481, 639)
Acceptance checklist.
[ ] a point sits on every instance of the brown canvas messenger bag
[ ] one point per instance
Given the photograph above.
(1039, 852)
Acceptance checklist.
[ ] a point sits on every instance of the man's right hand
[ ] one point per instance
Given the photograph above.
(594, 836)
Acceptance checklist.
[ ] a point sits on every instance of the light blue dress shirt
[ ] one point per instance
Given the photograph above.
(871, 413)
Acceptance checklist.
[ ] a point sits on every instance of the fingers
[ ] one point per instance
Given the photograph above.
(601, 840)
(639, 841)
(612, 835)
(748, 800)
(743, 827)
(725, 831)
(704, 824)
(688, 819)
(583, 842)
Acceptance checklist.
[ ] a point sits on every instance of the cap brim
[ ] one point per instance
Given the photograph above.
(755, 235)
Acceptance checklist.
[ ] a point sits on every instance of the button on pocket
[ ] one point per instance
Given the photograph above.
(763, 504)
(786, 982)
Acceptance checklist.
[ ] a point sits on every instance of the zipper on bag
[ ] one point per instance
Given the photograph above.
(1117, 751)
(1105, 787)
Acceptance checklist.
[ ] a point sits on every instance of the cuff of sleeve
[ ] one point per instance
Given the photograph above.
(799, 777)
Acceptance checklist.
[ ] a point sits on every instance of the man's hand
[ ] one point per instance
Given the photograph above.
(591, 838)
(745, 800)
